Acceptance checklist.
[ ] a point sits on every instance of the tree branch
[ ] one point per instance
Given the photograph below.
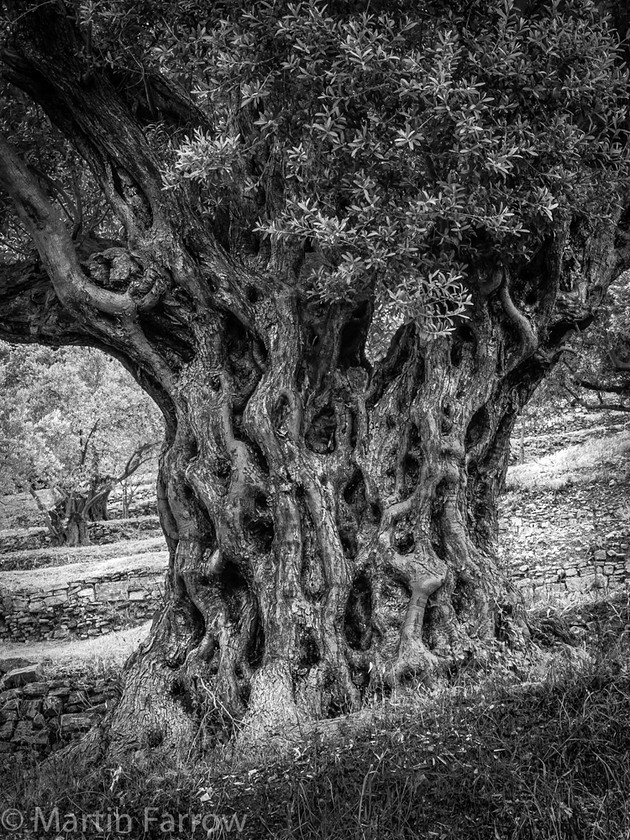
(53, 241)
(528, 339)
(86, 443)
(623, 390)
(44, 56)
(55, 533)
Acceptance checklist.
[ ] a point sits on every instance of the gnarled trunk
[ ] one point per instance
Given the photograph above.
(332, 528)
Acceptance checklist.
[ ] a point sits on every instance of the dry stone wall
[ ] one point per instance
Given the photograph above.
(39, 716)
(101, 533)
(566, 541)
(81, 608)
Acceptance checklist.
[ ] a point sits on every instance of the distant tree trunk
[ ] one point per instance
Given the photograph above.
(97, 510)
(126, 499)
(53, 517)
(72, 521)
(521, 451)
(76, 530)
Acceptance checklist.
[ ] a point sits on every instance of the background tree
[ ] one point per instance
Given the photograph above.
(74, 422)
(343, 246)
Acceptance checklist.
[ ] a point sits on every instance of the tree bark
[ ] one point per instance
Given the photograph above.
(332, 525)
(72, 521)
(76, 530)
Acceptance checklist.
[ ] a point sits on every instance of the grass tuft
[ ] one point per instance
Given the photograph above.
(584, 463)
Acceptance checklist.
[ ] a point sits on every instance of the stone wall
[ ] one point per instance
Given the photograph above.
(38, 716)
(605, 569)
(81, 608)
(101, 533)
(579, 547)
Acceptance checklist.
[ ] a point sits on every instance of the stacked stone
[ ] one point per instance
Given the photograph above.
(101, 533)
(38, 716)
(576, 557)
(81, 609)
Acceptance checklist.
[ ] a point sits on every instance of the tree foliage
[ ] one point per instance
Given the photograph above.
(392, 152)
(400, 149)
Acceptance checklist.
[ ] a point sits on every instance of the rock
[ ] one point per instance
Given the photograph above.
(52, 706)
(10, 694)
(30, 708)
(55, 600)
(110, 592)
(36, 689)
(62, 690)
(14, 662)
(6, 730)
(23, 729)
(576, 584)
(79, 722)
(37, 739)
(21, 676)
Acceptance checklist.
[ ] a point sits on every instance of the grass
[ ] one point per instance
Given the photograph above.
(583, 463)
(501, 754)
(39, 558)
(100, 653)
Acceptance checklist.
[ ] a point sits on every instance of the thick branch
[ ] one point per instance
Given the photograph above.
(151, 97)
(86, 443)
(45, 58)
(526, 334)
(53, 241)
(607, 388)
(600, 405)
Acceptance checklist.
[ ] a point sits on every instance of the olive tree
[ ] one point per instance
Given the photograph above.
(75, 423)
(343, 244)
